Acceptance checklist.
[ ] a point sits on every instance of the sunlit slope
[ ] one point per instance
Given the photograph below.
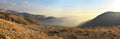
(10, 30)
(80, 33)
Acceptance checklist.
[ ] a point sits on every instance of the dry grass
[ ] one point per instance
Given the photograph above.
(10, 30)
(80, 33)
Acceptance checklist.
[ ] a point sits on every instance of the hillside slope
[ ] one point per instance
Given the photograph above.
(104, 20)
(10, 30)
(80, 33)
(17, 19)
(44, 20)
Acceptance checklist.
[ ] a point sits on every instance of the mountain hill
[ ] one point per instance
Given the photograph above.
(42, 19)
(17, 19)
(105, 19)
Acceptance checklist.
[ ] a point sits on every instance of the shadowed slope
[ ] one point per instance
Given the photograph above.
(105, 19)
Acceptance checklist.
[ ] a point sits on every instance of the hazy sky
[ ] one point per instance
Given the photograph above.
(85, 9)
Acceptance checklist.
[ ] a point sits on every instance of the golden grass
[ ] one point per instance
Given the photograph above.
(10, 30)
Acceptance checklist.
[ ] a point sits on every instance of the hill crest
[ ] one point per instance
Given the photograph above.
(105, 19)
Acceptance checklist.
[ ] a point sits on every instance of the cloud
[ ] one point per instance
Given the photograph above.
(26, 3)
(6, 4)
(21, 5)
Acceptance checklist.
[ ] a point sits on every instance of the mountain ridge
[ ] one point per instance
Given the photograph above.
(105, 19)
(44, 20)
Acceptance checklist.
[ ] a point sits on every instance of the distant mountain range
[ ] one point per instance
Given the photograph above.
(105, 19)
(42, 19)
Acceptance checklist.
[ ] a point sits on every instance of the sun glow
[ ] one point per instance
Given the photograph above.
(115, 5)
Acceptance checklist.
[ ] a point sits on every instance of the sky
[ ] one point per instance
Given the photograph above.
(84, 9)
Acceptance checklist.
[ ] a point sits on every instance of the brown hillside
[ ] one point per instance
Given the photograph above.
(10, 30)
(17, 19)
(80, 33)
